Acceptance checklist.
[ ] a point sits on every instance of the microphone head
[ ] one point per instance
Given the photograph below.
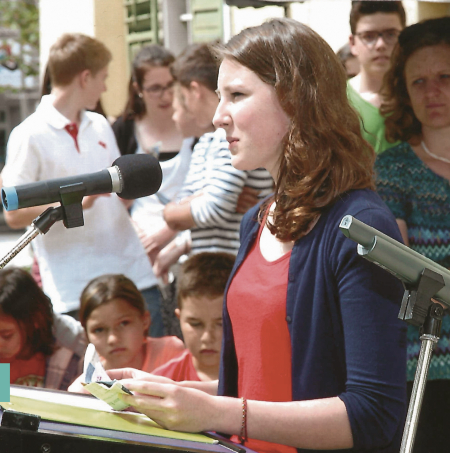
(141, 175)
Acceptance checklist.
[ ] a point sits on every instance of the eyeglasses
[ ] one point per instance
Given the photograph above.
(370, 38)
(157, 91)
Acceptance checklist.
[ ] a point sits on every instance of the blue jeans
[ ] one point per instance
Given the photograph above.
(153, 299)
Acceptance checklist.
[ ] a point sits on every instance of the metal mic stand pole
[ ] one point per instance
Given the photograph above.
(70, 212)
(40, 225)
(418, 309)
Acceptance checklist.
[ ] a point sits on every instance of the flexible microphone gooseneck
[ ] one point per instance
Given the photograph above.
(131, 176)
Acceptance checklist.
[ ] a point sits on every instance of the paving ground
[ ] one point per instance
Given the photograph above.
(8, 239)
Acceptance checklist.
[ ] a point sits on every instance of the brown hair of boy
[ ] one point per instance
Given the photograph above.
(22, 299)
(73, 53)
(365, 8)
(106, 288)
(204, 275)
(198, 63)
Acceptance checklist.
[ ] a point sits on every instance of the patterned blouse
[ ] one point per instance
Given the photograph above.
(420, 197)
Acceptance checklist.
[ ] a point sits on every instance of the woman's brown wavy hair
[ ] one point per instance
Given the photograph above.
(401, 122)
(324, 154)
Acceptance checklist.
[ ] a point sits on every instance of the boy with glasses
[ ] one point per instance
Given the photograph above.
(375, 26)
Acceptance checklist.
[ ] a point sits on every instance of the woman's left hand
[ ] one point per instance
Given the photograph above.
(172, 406)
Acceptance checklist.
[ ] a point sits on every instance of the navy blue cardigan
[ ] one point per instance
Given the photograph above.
(342, 317)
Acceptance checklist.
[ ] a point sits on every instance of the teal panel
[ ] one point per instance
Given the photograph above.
(4, 382)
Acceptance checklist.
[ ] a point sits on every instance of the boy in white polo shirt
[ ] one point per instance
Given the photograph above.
(62, 139)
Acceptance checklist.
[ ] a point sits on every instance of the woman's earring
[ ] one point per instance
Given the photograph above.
(141, 95)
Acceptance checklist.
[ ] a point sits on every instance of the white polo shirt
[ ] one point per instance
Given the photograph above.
(40, 148)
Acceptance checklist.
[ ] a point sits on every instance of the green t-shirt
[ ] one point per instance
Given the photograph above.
(372, 123)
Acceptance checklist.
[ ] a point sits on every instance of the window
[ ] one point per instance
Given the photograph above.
(141, 19)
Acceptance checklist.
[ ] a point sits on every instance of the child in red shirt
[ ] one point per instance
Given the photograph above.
(200, 289)
(29, 339)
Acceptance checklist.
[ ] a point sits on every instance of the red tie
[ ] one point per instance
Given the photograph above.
(72, 129)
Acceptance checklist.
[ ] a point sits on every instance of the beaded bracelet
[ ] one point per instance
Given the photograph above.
(243, 436)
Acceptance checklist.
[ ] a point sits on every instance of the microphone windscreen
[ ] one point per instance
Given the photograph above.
(141, 175)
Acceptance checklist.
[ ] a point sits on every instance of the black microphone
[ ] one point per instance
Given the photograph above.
(131, 176)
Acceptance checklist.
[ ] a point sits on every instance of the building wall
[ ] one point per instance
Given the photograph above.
(109, 27)
(63, 16)
(103, 19)
(428, 10)
(329, 18)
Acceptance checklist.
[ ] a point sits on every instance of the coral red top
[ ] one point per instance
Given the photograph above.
(257, 308)
(29, 372)
(160, 350)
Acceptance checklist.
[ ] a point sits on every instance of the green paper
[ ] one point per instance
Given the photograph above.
(118, 421)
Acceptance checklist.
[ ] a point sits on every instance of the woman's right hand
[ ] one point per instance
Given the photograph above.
(89, 200)
(171, 405)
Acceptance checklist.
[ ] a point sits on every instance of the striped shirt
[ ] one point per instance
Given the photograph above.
(214, 213)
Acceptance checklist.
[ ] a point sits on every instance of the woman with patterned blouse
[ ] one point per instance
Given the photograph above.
(413, 178)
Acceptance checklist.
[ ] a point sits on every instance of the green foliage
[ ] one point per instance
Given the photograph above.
(23, 15)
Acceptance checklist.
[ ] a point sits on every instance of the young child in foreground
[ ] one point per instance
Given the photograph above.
(43, 349)
(200, 288)
(114, 315)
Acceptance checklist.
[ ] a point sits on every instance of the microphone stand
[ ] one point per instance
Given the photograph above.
(418, 309)
(70, 212)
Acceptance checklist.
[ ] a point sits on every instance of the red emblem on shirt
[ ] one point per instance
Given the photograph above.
(102, 144)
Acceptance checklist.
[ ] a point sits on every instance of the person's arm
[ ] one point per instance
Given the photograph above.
(215, 203)
(154, 243)
(178, 216)
(247, 199)
(373, 336)
(318, 424)
(22, 167)
(193, 406)
(21, 218)
(403, 230)
(169, 255)
(69, 333)
(24, 217)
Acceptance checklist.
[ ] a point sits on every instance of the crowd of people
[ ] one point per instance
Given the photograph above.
(231, 295)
